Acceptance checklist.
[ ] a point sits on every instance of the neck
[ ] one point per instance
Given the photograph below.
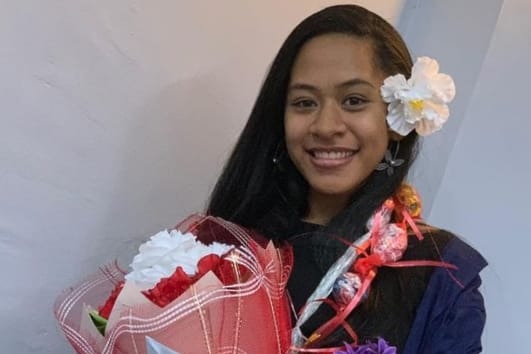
(322, 208)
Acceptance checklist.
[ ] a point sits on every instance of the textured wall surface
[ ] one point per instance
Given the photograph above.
(115, 119)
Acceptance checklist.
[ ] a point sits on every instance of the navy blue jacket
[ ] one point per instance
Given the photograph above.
(450, 318)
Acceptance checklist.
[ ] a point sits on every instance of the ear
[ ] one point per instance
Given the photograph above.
(394, 136)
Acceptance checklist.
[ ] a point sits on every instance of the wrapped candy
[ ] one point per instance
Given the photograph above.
(346, 287)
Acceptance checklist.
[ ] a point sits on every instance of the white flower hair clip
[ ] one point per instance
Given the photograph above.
(420, 102)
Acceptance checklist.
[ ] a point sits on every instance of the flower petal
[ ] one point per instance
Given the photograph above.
(438, 113)
(396, 121)
(424, 67)
(164, 252)
(392, 85)
(426, 127)
(443, 88)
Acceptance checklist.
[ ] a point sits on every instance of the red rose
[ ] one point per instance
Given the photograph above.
(105, 310)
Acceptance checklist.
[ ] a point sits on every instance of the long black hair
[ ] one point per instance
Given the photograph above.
(255, 192)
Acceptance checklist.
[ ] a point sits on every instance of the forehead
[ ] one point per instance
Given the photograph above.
(333, 57)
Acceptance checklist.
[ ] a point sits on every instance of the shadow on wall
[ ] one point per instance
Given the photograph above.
(454, 33)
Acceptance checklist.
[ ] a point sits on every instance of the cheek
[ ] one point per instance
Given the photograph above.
(381, 139)
(383, 133)
(294, 137)
(374, 129)
(293, 132)
(381, 123)
(374, 135)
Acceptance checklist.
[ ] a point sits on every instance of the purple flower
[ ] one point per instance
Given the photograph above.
(380, 347)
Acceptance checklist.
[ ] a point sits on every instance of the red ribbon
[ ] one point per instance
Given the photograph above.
(365, 265)
(412, 224)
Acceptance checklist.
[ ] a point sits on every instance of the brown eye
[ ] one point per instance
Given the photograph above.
(354, 102)
(304, 104)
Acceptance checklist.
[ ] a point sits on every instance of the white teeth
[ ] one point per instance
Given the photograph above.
(332, 155)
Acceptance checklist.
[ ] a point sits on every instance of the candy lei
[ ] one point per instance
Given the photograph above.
(350, 277)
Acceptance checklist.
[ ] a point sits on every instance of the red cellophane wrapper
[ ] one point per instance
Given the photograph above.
(250, 316)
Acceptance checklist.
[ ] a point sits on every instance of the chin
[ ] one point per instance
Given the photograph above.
(334, 190)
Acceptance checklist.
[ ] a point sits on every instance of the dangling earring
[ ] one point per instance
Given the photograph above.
(391, 161)
(278, 155)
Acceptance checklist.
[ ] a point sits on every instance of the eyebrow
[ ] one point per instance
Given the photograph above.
(355, 82)
(348, 83)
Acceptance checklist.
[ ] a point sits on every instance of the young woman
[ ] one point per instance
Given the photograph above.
(321, 152)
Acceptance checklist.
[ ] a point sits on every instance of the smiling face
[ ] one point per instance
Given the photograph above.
(334, 121)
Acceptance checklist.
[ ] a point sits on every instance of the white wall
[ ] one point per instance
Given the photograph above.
(458, 34)
(482, 191)
(115, 119)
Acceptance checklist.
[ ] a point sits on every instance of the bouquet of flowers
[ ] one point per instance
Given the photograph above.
(208, 286)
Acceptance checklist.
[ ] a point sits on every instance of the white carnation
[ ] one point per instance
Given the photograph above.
(420, 102)
(164, 252)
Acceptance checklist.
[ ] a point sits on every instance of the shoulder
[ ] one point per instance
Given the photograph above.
(442, 245)
(432, 244)
(452, 303)
(455, 248)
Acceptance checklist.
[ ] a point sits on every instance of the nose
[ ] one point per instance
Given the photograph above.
(328, 121)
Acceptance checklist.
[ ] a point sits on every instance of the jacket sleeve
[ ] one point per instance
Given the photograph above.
(461, 325)
(451, 316)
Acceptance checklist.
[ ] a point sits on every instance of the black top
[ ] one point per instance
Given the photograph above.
(394, 295)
